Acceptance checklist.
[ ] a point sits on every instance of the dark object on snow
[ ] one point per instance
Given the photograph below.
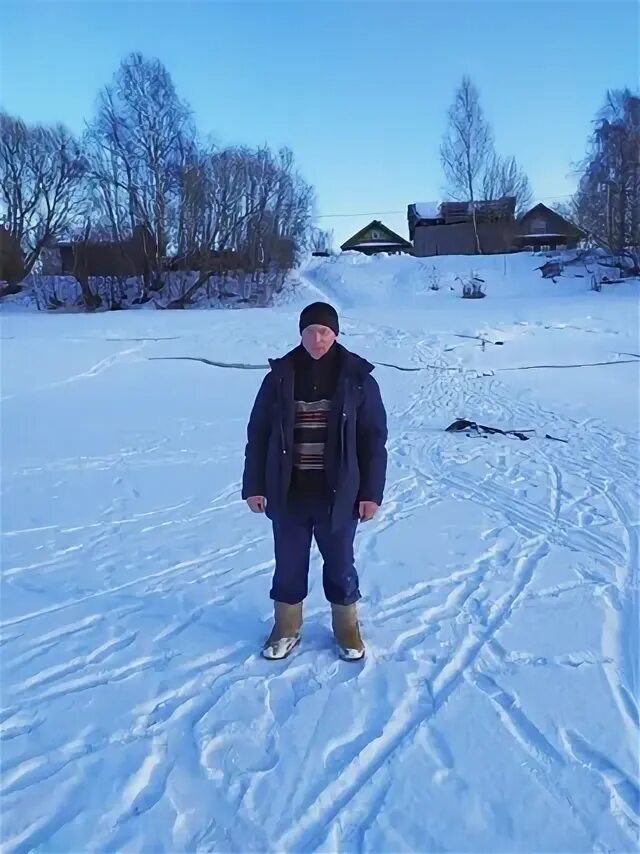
(240, 365)
(551, 270)
(461, 425)
(481, 339)
(472, 289)
(579, 365)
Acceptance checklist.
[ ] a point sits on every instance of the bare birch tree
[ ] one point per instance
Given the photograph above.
(248, 206)
(607, 203)
(466, 147)
(41, 173)
(137, 145)
(504, 177)
(142, 169)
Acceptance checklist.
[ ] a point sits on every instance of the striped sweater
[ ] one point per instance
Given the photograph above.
(315, 386)
(310, 434)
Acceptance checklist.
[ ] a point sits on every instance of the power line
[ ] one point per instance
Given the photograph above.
(370, 213)
(388, 213)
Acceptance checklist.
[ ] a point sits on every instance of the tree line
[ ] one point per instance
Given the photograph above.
(606, 204)
(142, 163)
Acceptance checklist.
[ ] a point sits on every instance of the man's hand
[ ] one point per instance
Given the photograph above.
(367, 510)
(257, 503)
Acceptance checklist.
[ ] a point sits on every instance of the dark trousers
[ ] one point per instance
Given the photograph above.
(293, 530)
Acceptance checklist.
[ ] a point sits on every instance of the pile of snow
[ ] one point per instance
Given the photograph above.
(497, 707)
(428, 210)
(403, 281)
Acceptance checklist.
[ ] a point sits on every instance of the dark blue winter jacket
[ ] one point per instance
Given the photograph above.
(355, 451)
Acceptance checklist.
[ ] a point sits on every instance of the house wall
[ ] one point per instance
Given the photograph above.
(388, 249)
(11, 258)
(373, 234)
(545, 223)
(126, 258)
(459, 239)
(544, 242)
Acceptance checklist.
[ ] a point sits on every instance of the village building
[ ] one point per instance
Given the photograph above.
(541, 228)
(447, 228)
(375, 238)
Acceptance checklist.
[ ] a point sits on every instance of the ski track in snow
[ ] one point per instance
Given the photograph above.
(204, 739)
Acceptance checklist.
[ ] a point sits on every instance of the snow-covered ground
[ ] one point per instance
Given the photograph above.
(497, 709)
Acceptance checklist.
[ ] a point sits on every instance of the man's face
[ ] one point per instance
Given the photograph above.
(318, 340)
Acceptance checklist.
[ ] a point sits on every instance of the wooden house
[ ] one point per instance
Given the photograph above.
(12, 268)
(375, 238)
(446, 228)
(134, 256)
(542, 228)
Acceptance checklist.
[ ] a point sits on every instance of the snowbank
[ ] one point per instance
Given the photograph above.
(497, 707)
(402, 281)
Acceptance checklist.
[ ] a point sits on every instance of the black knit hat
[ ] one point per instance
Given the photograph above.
(321, 313)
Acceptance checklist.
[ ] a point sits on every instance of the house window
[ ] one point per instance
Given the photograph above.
(375, 235)
(538, 226)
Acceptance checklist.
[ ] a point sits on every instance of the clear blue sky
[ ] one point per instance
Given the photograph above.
(358, 88)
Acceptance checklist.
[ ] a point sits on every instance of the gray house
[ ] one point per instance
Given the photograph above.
(543, 228)
(447, 228)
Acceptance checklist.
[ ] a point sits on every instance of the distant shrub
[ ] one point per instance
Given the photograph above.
(433, 278)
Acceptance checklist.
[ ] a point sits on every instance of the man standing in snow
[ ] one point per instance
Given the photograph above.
(315, 462)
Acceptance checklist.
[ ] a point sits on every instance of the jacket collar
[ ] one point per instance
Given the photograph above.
(351, 363)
